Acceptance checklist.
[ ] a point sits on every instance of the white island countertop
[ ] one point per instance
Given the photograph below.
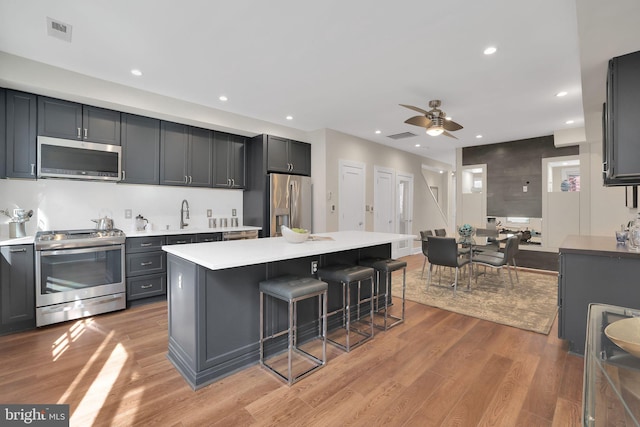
(239, 253)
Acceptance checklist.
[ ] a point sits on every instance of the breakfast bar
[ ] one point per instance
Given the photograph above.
(213, 298)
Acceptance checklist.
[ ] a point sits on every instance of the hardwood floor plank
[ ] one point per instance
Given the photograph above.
(436, 368)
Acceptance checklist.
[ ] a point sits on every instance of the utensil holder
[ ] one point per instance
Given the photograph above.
(17, 229)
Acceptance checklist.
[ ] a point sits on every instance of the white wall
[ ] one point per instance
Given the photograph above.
(340, 146)
(67, 204)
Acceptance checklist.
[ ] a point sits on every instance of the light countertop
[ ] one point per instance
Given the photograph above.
(238, 253)
(597, 245)
(177, 231)
(6, 241)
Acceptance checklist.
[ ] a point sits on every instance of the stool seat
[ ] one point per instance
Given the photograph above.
(345, 273)
(383, 264)
(292, 287)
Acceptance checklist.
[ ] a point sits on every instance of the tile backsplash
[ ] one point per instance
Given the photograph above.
(66, 204)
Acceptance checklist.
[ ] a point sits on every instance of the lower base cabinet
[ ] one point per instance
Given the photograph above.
(17, 289)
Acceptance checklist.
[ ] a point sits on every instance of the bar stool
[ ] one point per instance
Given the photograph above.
(293, 289)
(387, 266)
(347, 275)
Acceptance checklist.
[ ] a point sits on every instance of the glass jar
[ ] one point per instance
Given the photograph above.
(634, 234)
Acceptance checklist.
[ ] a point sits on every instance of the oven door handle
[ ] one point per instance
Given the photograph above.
(81, 250)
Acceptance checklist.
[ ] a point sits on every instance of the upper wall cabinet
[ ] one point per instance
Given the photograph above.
(287, 156)
(20, 125)
(3, 131)
(186, 155)
(229, 160)
(621, 133)
(140, 150)
(69, 120)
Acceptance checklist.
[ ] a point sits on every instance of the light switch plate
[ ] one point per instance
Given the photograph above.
(209, 213)
(233, 212)
(127, 213)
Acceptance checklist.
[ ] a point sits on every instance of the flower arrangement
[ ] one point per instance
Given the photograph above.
(466, 230)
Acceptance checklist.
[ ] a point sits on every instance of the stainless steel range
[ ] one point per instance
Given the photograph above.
(79, 273)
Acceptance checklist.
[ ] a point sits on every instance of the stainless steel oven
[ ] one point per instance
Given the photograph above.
(79, 273)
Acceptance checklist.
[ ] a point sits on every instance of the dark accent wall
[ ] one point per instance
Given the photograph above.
(510, 166)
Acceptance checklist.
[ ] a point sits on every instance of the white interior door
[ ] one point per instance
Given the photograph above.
(404, 213)
(383, 200)
(351, 196)
(474, 196)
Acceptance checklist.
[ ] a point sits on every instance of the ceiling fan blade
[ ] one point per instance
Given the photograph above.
(445, 133)
(419, 121)
(451, 125)
(411, 107)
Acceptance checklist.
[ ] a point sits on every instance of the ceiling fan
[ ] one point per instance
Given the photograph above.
(434, 120)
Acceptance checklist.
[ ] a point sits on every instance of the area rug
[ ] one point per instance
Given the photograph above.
(531, 304)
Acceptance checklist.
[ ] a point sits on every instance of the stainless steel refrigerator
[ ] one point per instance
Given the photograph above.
(289, 202)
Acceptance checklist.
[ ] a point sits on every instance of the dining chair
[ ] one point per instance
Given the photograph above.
(492, 239)
(441, 232)
(443, 251)
(424, 235)
(498, 260)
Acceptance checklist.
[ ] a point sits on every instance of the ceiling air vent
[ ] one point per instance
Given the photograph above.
(402, 135)
(59, 30)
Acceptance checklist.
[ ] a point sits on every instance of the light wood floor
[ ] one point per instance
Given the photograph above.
(438, 368)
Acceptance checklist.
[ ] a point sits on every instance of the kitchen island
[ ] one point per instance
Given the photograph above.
(593, 270)
(213, 297)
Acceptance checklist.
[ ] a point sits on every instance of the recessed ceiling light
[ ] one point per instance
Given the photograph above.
(490, 50)
(569, 122)
(289, 117)
(223, 98)
(378, 132)
(478, 136)
(136, 72)
(441, 171)
(417, 145)
(561, 94)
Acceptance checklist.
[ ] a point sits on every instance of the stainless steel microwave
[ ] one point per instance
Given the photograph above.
(67, 158)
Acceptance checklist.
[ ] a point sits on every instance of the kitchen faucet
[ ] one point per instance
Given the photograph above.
(182, 212)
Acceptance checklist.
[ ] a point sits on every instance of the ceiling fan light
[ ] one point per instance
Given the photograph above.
(435, 130)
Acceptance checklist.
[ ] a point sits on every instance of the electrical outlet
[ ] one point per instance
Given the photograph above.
(314, 267)
(233, 212)
(209, 213)
(127, 213)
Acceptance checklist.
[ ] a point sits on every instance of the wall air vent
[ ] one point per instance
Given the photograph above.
(402, 135)
(59, 30)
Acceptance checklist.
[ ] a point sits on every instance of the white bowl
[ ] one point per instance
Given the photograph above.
(625, 334)
(293, 237)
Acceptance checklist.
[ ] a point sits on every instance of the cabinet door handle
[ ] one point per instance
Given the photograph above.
(85, 133)
(186, 181)
(79, 136)
(124, 175)
(179, 242)
(144, 245)
(13, 251)
(604, 167)
(150, 285)
(233, 182)
(190, 179)
(144, 264)
(33, 168)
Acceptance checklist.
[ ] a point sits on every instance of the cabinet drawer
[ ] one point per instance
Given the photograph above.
(144, 244)
(146, 286)
(208, 237)
(181, 239)
(146, 263)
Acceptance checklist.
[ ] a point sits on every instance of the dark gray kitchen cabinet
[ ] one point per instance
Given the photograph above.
(181, 239)
(208, 237)
(146, 267)
(17, 289)
(229, 158)
(3, 132)
(140, 150)
(185, 155)
(64, 119)
(621, 133)
(21, 111)
(288, 156)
